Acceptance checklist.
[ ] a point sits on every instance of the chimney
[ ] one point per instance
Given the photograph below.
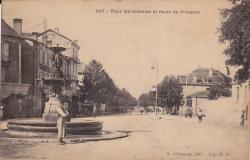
(17, 25)
(35, 35)
(210, 72)
(56, 30)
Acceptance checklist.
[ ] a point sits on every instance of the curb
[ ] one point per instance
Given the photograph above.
(78, 139)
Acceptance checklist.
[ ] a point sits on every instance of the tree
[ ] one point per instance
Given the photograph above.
(213, 92)
(146, 99)
(99, 87)
(96, 83)
(170, 93)
(235, 29)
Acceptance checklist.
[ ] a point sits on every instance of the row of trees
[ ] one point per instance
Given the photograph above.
(169, 95)
(98, 87)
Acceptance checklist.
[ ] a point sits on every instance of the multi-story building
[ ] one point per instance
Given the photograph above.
(16, 60)
(27, 60)
(53, 42)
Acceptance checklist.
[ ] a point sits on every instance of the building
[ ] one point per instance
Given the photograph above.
(200, 80)
(16, 62)
(196, 85)
(26, 63)
(241, 96)
(53, 42)
(241, 92)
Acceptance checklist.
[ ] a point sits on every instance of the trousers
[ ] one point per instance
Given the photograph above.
(61, 126)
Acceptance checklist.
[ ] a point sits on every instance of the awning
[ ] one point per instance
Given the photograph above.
(14, 88)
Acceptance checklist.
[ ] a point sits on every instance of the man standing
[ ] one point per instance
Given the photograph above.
(199, 115)
(94, 110)
(61, 122)
(1, 112)
(242, 117)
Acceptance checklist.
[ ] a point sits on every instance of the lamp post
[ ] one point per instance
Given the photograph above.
(156, 87)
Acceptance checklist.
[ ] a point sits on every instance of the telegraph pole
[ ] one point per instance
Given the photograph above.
(156, 91)
(155, 66)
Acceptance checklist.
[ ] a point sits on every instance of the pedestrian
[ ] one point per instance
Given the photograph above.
(130, 110)
(199, 115)
(94, 110)
(141, 110)
(61, 122)
(1, 112)
(242, 117)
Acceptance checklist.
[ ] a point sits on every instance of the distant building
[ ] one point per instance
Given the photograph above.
(198, 82)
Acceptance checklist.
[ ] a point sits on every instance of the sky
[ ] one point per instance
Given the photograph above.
(129, 44)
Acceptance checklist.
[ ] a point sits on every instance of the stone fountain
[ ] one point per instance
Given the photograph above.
(46, 126)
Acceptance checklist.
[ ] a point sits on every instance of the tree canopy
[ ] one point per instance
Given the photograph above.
(235, 30)
(147, 99)
(170, 92)
(99, 87)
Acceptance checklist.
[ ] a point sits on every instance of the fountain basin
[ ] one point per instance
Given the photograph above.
(41, 128)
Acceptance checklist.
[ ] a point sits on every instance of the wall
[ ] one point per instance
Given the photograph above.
(28, 62)
(241, 92)
(12, 67)
(187, 90)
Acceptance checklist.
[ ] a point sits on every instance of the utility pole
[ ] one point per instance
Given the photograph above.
(186, 89)
(156, 87)
(156, 91)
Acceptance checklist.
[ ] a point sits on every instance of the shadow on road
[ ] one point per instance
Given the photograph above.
(10, 150)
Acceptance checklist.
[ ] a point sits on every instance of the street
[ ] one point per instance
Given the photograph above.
(218, 137)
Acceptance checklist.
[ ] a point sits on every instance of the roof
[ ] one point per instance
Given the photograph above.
(7, 30)
(50, 30)
(215, 77)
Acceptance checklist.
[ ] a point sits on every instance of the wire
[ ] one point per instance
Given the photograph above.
(34, 26)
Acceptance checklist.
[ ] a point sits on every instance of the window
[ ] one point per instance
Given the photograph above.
(3, 73)
(194, 79)
(49, 59)
(6, 51)
(45, 58)
(41, 56)
(206, 80)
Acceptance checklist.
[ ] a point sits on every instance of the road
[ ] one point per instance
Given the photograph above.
(218, 137)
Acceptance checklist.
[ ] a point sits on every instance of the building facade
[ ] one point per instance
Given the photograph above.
(16, 59)
(55, 43)
(200, 80)
(26, 61)
(241, 92)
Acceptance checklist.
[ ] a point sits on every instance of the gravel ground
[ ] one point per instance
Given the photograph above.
(218, 137)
